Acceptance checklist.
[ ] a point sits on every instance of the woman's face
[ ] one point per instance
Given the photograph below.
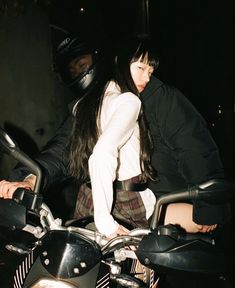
(141, 73)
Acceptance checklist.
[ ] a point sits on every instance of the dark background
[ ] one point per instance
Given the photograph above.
(193, 39)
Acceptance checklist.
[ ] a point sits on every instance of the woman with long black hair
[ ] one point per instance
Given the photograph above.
(110, 144)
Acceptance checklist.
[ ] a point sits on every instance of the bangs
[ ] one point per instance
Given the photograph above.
(147, 59)
(146, 56)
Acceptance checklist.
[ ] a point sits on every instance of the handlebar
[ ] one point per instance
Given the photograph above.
(10, 147)
(28, 198)
(213, 191)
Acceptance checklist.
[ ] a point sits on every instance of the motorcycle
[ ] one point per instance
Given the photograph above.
(69, 256)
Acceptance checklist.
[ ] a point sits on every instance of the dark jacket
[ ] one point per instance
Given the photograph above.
(53, 159)
(184, 151)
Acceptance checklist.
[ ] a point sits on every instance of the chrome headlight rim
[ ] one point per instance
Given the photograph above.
(51, 283)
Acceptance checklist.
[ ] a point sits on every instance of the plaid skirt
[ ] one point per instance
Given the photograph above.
(128, 206)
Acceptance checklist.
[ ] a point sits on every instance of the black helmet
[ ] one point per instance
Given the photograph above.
(78, 64)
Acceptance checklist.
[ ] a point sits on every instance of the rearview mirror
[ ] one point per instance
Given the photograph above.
(6, 143)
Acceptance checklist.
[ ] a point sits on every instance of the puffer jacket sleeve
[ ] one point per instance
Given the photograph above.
(196, 154)
(186, 133)
(53, 158)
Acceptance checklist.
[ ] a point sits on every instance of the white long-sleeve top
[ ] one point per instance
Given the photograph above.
(116, 155)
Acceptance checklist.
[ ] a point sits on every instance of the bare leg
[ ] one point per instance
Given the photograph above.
(181, 214)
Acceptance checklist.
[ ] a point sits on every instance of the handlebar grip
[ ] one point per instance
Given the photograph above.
(27, 198)
(178, 234)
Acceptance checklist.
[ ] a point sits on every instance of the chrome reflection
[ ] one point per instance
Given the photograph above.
(48, 283)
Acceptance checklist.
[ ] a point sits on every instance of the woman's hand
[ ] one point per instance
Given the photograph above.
(7, 188)
(120, 231)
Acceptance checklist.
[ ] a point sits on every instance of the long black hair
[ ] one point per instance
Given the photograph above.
(86, 126)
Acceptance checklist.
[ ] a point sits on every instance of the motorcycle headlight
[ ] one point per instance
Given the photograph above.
(48, 283)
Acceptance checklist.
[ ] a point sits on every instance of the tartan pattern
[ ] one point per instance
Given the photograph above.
(128, 206)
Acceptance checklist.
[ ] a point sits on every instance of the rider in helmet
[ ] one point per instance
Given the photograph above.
(79, 65)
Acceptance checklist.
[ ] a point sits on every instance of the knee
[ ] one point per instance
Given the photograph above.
(181, 214)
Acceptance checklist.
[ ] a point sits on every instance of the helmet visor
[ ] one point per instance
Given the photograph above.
(75, 67)
(79, 65)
